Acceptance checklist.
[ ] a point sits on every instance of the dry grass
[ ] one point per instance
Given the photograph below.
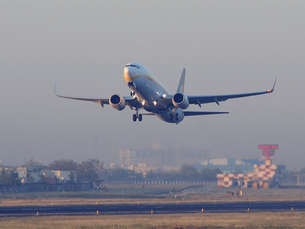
(171, 221)
(133, 194)
(156, 194)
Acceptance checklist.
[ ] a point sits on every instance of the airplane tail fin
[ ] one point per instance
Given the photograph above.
(181, 83)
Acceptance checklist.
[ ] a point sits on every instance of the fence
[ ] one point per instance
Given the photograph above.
(159, 182)
(41, 187)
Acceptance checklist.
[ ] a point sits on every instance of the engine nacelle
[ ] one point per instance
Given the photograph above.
(181, 101)
(117, 102)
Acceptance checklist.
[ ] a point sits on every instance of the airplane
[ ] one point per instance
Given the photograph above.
(149, 94)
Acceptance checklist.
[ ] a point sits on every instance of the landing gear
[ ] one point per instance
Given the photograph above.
(137, 116)
(134, 117)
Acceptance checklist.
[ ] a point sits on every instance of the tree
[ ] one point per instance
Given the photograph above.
(33, 164)
(9, 177)
(119, 174)
(87, 170)
(151, 175)
(209, 174)
(188, 172)
(64, 165)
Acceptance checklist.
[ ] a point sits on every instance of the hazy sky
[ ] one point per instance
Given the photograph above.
(226, 47)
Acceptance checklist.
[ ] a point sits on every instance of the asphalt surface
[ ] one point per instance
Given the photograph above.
(120, 209)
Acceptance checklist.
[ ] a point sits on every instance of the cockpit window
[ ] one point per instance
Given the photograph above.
(132, 65)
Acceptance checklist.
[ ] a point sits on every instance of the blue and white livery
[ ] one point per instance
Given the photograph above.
(149, 94)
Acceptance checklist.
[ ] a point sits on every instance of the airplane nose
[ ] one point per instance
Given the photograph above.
(128, 73)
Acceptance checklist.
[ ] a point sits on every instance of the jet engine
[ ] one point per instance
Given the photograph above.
(117, 102)
(181, 101)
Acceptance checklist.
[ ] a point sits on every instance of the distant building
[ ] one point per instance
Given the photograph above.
(37, 175)
(229, 165)
(156, 158)
(33, 175)
(22, 173)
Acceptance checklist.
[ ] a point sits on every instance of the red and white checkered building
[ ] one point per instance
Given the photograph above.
(264, 175)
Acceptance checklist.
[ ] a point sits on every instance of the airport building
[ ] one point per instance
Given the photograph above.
(266, 175)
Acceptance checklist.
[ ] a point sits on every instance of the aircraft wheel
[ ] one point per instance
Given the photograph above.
(171, 116)
(134, 117)
(140, 117)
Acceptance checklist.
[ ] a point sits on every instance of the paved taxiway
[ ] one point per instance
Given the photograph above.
(117, 209)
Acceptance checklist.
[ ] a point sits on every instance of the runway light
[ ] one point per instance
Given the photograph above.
(152, 211)
(155, 103)
(37, 213)
(291, 209)
(202, 210)
(248, 209)
(97, 212)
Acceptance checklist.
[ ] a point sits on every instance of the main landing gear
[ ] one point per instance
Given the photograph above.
(137, 116)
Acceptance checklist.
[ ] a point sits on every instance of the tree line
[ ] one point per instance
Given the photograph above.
(80, 172)
(186, 173)
(90, 169)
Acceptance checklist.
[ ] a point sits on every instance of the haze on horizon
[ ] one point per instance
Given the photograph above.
(225, 46)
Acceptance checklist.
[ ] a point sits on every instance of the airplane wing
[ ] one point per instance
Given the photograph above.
(130, 100)
(219, 98)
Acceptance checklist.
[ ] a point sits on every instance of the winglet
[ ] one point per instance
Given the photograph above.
(181, 83)
(55, 89)
(270, 91)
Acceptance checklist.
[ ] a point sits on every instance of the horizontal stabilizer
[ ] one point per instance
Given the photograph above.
(193, 113)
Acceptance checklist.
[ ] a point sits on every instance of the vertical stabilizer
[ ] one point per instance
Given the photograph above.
(181, 83)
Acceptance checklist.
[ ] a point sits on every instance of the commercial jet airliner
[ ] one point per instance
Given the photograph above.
(149, 94)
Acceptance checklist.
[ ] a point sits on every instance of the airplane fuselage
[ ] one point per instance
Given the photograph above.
(150, 93)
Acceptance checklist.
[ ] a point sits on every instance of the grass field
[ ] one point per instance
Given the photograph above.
(157, 194)
(172, 221)
(152, 194)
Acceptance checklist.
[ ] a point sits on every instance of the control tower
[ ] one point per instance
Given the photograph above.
(268, 152)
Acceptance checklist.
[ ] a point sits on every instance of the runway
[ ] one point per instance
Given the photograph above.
(120, 209)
